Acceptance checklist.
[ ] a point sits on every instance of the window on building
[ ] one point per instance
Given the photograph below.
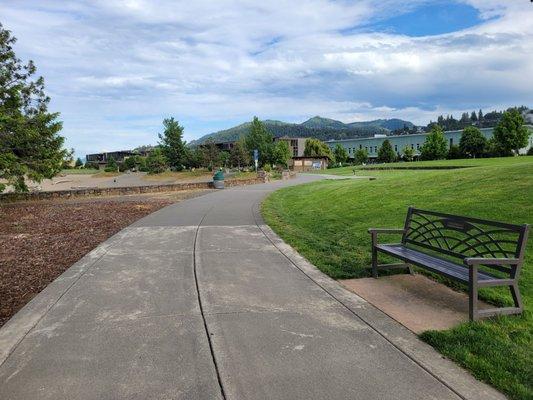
(451, 142)
(360, 146)
(412, 146)
(396, 148)
(375, 149)
(418, 146)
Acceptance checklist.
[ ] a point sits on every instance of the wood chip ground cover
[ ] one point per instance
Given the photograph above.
(40, 240)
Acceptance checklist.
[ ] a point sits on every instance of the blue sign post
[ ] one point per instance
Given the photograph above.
(256, 158)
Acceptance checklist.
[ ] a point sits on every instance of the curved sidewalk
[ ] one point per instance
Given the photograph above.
(201, 300)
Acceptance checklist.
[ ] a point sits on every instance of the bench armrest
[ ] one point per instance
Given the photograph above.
(490, 261)
(385, 230)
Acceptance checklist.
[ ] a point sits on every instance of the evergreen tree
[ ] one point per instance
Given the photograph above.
(480, 116)
(111, 165)
(260, 139)
(473, 116)
(210, 154)
(472, 142)
(385, 153)
(79, 163)
(172, 144)
(435, 147)
(239, 157)
(30, 145)
(340, 153)
(510, 134)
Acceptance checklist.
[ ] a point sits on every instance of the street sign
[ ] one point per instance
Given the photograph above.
(256, 155)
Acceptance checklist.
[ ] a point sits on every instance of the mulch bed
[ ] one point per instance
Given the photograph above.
(40, 240)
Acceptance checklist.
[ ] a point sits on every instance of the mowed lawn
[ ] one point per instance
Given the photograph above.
(327, 222)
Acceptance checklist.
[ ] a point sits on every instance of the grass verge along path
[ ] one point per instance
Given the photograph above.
(327, 222)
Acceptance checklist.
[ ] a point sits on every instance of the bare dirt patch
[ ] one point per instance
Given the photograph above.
(40, 240)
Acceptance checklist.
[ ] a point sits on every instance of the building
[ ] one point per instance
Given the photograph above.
(301, 164)
(119, 156)
(399, 142)
(297, 145)
(222, 146)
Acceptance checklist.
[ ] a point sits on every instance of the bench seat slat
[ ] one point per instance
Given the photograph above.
(443, 267)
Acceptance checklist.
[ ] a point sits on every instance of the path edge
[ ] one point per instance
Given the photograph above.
(449, 373)
(24, 320)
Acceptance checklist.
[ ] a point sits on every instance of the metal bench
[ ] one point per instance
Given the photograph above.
(477, 252)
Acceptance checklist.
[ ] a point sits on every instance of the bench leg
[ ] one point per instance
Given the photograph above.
(515, 292)
(374, 262)
(411, 270)
(473, 294)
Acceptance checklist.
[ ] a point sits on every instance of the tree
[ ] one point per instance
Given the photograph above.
(435, 147)
(361, 156)
(239, 157)
(510, 134)
(480, 116)
(340, 153)
(210, 154)
(68, 159)
(223, 158)
(473, 116)
(386, 153)
(111, 165)
(472, 142)
(408, 153)
(30, 144)
(454, 152)
(259, 138)
(79, 163)
(281, 153)
(156, 162)
(317, 148)
(172, 144)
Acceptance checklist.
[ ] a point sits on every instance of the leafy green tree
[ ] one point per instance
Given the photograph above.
(172, 144)
(111, 165)
(317, 148)
(129, 163)
(361, 156)
(510, 134)
(435, 147)
(281, 154)
(408, 153)
(472, 142)
(454, 152)
(386, 153)
(223, 158)
(156, 162)
(340, 153)
(79, 163)
(239, 156)
(194, 158)
(30, 145)
(259, 138)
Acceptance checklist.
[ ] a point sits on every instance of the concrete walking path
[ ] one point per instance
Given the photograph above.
(201, 300)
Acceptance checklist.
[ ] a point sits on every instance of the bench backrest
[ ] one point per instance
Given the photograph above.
(463, 237)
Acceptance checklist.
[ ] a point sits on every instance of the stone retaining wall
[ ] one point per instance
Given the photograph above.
(117, 191)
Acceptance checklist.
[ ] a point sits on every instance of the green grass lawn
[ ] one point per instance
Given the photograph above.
(327, 222)
(471, 162)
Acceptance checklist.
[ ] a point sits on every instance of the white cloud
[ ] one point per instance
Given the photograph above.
(116, 68)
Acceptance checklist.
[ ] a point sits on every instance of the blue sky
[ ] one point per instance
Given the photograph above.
(116, 68)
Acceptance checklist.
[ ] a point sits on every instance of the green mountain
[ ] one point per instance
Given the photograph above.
(317, 127)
